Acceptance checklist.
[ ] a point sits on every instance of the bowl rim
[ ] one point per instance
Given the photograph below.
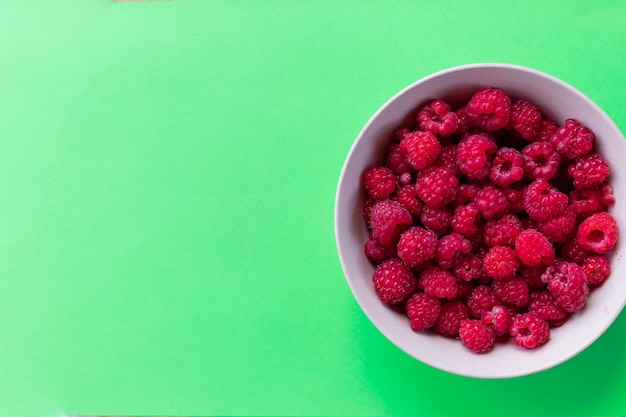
(342, 255)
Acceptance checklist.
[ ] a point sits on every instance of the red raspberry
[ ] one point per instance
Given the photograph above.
(452, 313)
(436, 117)
(560, 228)
(463, 120)
(397, 159)
(597, 268)
(499, 318)
(586, 202)
(506, 167)
(466, 220)
(380, 182)
(407, 196)
(542, 200)
(500, 262)
(468, 268)
(491, 201)
(512, 290)
(573, 251)
(417, 246)
(393, 281)
(450, 248)
(437, 219)
(532, 276)
(533, 248)
(546, 131)
(422, 149)
(399, 134)
(525, 119)
(515, 197)
(477, 336)
(447, 158)
(502, 230)
(437, 186)
(474, 154)
(377, 252)
(388, 219)
(466, 194)
(572, 139)
(544, 305)
(481, 299)
(489, 109)
(529, 331)
(541, 160)
(437, 282)
(423, 311)
(567, 281)
(598, 233)
(589, 171)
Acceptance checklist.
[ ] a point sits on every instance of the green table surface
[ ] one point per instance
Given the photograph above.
(168, 174)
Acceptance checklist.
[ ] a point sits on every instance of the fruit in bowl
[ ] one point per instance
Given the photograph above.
(477, 219)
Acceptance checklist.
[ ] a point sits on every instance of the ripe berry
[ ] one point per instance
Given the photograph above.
(407, 196)
(468, 268)
(450, 248)
(500, 262)
(380, 182)
(598, 233)
(423, 311)
(417, 246)
(512, 290)
(525, 119)
(466, 220)
(544, 305)
(397, 159)
(589, 171)
(393, 281)
(437, 282)
(502, 230)
(481, 299)
(529, 331)
(506, 167)
(436, 117)
(422, 148)
(567, 281)
(437, 219)
(476, 336)
(572, 139)
(377, 252)
(541, 160)
(542, 200)
(474, 154)
(388, 219)
(489, 109)
(452, 313)
(499, 318)
(533, 248)
(559, 228)
(546, 131)
(597, 269)
(491, 201)
(437, 186)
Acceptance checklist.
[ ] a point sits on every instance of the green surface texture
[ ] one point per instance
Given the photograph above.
(168, 174)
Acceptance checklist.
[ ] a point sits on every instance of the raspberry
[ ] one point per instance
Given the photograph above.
(474, 156)
(476, 336)
(512, 290)
(572, 139)
(586, 202)
(466, 194)
(546, 131)
(407, 196)
(397, 159)
(489, 109)
(437, 186)
(525, 119)
(500, 262)
(393, 281)
(597, 268)
(506, 167)
(491, 201)
(567, 282)
(499, 319)
(598, 233)
(377, 252)
(450, 248)
(447, 158)
(437, 282)
(515, 197)
(449, 321)
(544, 305)
(532, 276)
(502, 230)
(380, 182)
(560, 228)
(388, 219)
(529, 331)
(573, 251)
(541, 160)
(542, 200)
(437, 219)
(533, 248)
(463, 120)
(422, 149)
(481, 299)
(436, 117)
(589, 171)
(468, 268)
(466, 219)
(423, 311)
(417, 246)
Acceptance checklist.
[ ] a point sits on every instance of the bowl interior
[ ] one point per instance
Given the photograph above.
(558, 101)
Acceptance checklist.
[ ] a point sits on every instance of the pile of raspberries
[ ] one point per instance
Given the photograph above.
(489, 221)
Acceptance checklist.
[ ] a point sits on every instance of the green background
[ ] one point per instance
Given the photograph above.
(168, 174)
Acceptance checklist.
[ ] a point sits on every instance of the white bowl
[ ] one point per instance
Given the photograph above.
(557, 100)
